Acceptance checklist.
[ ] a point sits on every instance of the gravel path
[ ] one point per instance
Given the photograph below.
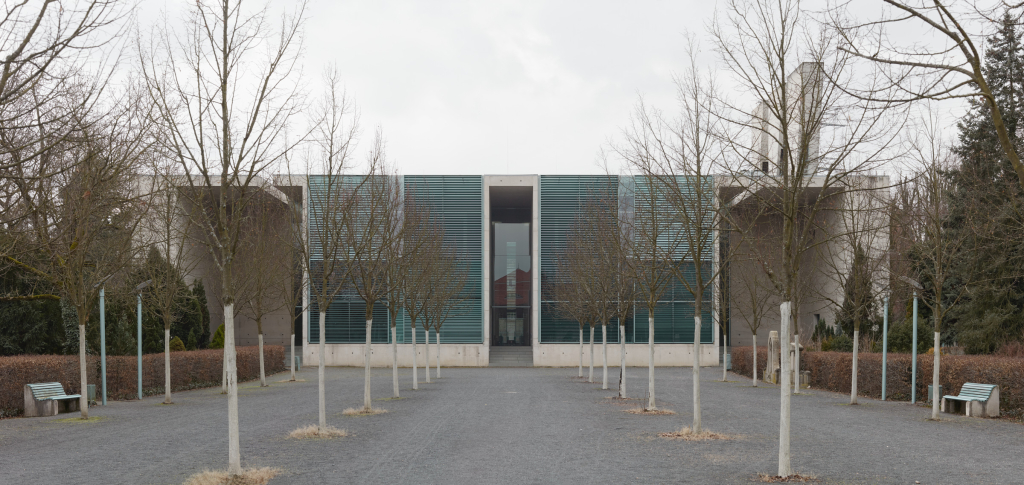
(511, 425)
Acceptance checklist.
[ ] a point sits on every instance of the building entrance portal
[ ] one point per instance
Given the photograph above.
(511, 266)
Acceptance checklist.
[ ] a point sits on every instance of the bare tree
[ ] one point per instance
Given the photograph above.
(267, 262)
(801, 82)
(419, 276)
(224, 92)
(570, 300)
(370, 234)
(949, 69)
(936, 251)
(82, 220)
(169, 227)
(319, 240)
(656, 238)
(680, 156)
(451, 279)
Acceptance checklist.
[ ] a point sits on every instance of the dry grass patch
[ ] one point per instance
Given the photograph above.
(289, 380)
(792, 478)
(363, 412)
(313, 431)
(249, 476)
(688, 435)
(650, 412)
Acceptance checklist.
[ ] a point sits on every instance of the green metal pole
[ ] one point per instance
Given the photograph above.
(139, 341)
(913, 366)
(885, 342)
(103, 347)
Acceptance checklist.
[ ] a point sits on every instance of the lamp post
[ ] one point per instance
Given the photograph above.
(103, 340)
(913, 363)
(138, 338)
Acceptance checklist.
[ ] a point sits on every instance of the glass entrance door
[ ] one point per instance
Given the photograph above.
(510, 290)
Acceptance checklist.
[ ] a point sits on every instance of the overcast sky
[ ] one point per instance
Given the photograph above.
(501, 86)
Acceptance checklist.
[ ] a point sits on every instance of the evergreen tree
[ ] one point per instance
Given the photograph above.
(859, 305)
(988, 203)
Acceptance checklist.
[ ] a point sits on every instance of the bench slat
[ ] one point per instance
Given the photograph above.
(50, 391)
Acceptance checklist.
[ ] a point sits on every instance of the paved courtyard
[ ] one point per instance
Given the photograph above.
(511, 425)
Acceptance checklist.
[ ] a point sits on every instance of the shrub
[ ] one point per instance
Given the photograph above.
(832, 371)
(18, 370)
(176, 345)
(842, 343)
(217, 342)
(189, 370)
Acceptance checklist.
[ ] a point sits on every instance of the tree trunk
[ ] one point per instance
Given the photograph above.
(725, 357)
(755, 360)
(935, 378)
(292, 364)
(796, 361)
(696, 427)
(622, 360)
(394, 360)
(580, 374)
(853, 377)
(83, 399)
(367, 402)
(591, 378)
(167, 366)
(785, 460)
(426, 353)
(437, 338)
(415, 373)
(322, 396)
(234, 453)
(263, 372)
(604, 356)
(223, 376)
(650, 360)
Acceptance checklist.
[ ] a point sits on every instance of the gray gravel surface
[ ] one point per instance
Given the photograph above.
(511, 425)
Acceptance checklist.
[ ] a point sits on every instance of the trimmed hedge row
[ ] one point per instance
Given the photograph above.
(832, 371)
(189, 370)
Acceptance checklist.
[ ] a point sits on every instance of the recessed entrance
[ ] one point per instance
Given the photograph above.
(511, 252)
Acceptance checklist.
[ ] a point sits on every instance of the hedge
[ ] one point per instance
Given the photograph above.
(189, 370)
(832, 371)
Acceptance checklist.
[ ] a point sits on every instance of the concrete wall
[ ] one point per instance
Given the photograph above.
(478, 355)
(665, 355)
(452, 355)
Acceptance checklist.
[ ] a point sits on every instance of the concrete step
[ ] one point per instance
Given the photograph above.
(511, 357)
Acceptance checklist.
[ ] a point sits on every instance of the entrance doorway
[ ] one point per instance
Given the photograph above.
(511, 286)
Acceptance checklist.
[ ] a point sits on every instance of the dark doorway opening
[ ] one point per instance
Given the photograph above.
(511, 260)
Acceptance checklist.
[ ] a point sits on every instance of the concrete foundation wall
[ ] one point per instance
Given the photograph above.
(665, 355)
(452, 355)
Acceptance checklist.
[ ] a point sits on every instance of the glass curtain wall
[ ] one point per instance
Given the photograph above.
(510, 290)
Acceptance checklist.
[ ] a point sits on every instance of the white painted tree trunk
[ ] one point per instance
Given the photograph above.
(853, 378)
(437, 355)
(935, 378)
(292, 365)
(167, 366)
(234, 453)
(650, 362)
(591, 378)
(622, 360)
(696, 427)
(83, 399)
(223, 376)
(755, 360)
(604, 357)
(367, 401)
(785, 461)
(725, 358)
(796, 361)
(426, 354)
(263, 372)
(394, 360)
(320, 376)
(415, 373)
(581, 353)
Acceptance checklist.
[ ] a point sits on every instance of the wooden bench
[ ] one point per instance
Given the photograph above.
(975, 399)
(48, 399)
